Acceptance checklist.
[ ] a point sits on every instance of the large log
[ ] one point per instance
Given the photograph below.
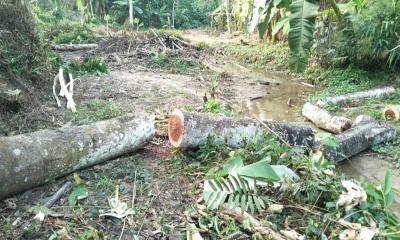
(191, 130)
(73, 47)
(373, 93)
(324, 120)
(364, 133)
(29, 160)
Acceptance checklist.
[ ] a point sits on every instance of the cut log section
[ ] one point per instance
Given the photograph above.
(392, 112)
(365, 133)
(73, 47)
(324, 120)
(374, 93)
(29, 160)
(191, 130)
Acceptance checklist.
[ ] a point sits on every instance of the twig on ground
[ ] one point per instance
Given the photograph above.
(57, 195)
(122, 231)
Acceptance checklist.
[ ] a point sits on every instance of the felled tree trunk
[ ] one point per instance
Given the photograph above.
(191, 130)
(324, 120)
(365, 133)
(373, 93)
(29, 160)
(73, 47)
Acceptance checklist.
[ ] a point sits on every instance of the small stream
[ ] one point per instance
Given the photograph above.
(274, 104)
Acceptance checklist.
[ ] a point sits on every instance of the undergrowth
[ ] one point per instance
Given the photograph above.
(272, 56)
(175, 63)
(66, 32)
(93, 112)
(89, 65)
(309, 203)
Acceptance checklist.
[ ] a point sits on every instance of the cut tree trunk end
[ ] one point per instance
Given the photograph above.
(373, 93)
(365, 133)
(73, 47)
(29, 160)
(191, 130)
(324, 120)
(392, 112)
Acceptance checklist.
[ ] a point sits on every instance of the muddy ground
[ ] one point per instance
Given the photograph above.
(144, 79)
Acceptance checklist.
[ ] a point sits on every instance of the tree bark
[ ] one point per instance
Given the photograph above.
(191, 130)
(365, 133)
(324, 120)
(73, 47)
(377, 92)
(29, 160)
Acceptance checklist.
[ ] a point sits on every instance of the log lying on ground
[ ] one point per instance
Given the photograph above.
(191, 130)
(29, 160)
(73, 47)
(324, 120)
(392, 112)
(365, 133)
(377, 92)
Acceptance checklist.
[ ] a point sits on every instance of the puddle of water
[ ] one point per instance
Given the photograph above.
(280, 100)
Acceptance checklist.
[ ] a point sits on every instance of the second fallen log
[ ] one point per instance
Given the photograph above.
(28, 160)
(74, 47)
(191, 130)
(324, 120)
(364, 133)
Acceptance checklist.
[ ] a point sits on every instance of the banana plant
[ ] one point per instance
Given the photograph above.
(300, 37)
(237, 185)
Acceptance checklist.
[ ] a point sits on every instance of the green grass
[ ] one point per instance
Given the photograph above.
(272, 56)
(90, 65)
(66, 32)
(93, 112)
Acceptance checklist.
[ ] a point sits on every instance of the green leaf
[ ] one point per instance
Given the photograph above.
(259, 170)
(78, 192)
(388, 182)
(282, 170)
(300, 36)
(251, 204)
(282, 24)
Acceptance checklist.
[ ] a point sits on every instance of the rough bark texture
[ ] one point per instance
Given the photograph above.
(365, 133)
(29, 160)
(191, 130)
(377, 92)
(73, 47)
(324, 120)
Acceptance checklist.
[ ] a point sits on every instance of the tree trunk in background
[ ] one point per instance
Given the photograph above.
(29, 160)
(228, 17)
(191, 130)
(130, 2)
(365, 133)
(73, 47)
(324, 120)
